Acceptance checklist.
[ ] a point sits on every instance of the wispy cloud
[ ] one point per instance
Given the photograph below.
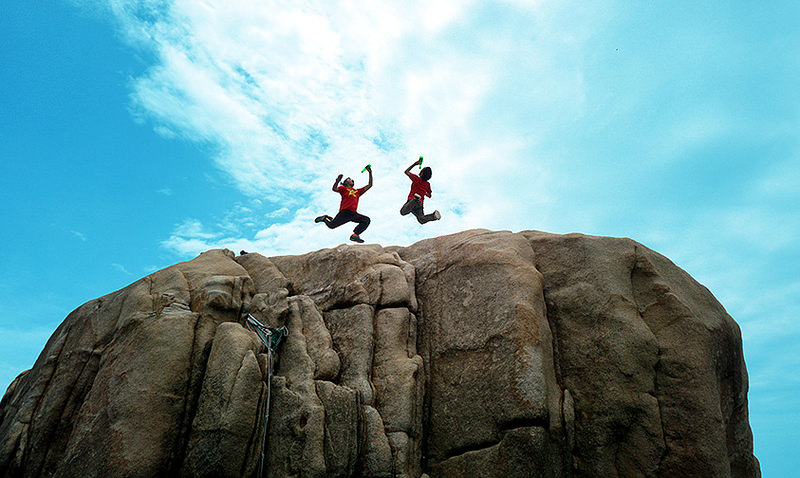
(79, 235)
(559, 116)
(289, 95)
(193, 229)
(121, 268)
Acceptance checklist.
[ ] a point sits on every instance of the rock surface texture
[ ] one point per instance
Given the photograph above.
(485, 354)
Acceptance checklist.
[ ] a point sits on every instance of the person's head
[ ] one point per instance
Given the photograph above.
(348, 182)
(425, 173)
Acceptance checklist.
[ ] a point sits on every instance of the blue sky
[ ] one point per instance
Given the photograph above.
(136, 134)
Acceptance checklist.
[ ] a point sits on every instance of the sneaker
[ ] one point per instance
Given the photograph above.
(320, 219)
(355, 238)
(437, 215)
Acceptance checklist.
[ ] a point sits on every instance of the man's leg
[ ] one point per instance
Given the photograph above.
(363, 222)
(408, 206)
(342, 217)
(423, 218)
(419, 213)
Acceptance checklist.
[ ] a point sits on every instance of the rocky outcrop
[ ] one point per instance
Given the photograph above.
(475, 354)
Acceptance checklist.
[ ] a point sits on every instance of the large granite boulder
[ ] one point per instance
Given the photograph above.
(482, 353)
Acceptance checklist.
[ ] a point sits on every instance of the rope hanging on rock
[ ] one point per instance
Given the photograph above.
(271, 338)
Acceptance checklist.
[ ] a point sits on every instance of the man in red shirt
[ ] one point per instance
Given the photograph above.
(419, 189)
(348, 207)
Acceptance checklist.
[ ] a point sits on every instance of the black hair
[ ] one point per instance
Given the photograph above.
(425, 173)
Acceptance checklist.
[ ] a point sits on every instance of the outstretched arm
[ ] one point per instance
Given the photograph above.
(408, 170)
(369, 185)
(336, 183)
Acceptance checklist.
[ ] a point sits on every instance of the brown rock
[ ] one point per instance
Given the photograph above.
(347, 276)
(485, 340)
(481, 353)
(651, 359)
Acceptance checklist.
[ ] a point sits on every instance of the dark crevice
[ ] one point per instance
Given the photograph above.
(66, 420)
(375, 308)
(458, 451)
(656, 394)
(424, 350)
(9, 469)
(338, 306)
(641, 311)
(551, 311)
(153, 302)
(112, 336)
(40, 400)
(370, 376)
(196, 374)
(254, 441)
(245, 305)
(350, 305)
(380, 288)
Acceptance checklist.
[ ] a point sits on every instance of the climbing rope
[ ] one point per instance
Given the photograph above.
(271, 338)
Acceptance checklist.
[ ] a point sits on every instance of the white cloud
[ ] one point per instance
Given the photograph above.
(79, 235)
(520, 109)
(121, 268)
(186, 246)
(289, 95)
(193, 228)
(278, 213)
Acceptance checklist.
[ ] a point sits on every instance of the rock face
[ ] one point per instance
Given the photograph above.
(486, 354)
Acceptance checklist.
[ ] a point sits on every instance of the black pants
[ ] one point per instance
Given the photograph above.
(346, 215)
(414, 206)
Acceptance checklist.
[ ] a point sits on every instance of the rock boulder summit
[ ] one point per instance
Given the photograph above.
(485, 354)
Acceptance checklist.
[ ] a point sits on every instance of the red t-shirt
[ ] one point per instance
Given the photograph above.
(350, 197)
(419, 186)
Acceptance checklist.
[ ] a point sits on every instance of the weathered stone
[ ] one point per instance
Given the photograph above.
(646, 353)
(343, 423)
(228, 410)
(526, 452)
(270, 308)
(295, 443)
(266, 277)
(347, 276)
(485, 339)
(353, 337)
(318, 340)
(398, 377)
(378, 459)
(481, 353)
(297, 416)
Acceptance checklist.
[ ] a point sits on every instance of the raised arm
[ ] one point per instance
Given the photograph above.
(369, 185)
(336, 183)
(408, 170)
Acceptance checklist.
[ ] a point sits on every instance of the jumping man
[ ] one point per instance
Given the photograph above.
(419, 189)
(348, 207)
